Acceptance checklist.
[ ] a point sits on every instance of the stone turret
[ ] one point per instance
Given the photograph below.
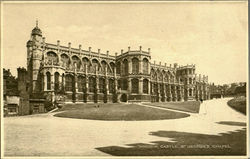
(34, 57)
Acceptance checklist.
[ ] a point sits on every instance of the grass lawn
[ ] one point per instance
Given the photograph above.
(238, 104)
(188, 106)
(185, 144)
(116, 111)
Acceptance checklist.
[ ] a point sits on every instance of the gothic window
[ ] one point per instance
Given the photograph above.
(112, 66)
(162, 88)
(80, 83)
(86, 63)
(69, 83)
(135, 65)
(111, 86)
(104, 65)
(91, 84)
(145, 86)
(48, 81)
(95, 66)
(155, 88)
(145, 66)
(125, 66)
(56, 76)
(118, 67)
(135, 85)
(52, 57)
(63, 82)
(124, 84)
(77, 62)
(65, 60)
(101, 85)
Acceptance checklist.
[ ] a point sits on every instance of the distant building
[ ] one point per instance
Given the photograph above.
(56, 72)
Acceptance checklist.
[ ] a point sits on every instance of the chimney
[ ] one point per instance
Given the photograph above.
(121, 51)
(107, 53)
(58, 42)
(80, 47)
(128, 48)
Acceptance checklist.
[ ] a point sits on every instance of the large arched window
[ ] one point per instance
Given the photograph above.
(124, 84)
(111, 86)
(118, 67)
(125, 66)
(69, 83)
(112, 66)
(56, 76)
(104, 66)
(91, 84)
(145, 86)
(65, 60)
(76, 62)
(80, 83)
(135, 65)
(135, 85)
(145, 66)
(48, 81)
(155, 88)
(95, 66)
(101, 85)
(85, 63)
(52, 57)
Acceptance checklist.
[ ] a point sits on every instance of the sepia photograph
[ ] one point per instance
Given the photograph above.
(124, 79)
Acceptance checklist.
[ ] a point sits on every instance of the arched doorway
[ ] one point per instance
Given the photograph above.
(123, 98)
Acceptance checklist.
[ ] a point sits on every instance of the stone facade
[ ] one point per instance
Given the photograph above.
(79, 75)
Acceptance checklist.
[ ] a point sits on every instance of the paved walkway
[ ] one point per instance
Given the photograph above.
(45, 135)
(168, 109)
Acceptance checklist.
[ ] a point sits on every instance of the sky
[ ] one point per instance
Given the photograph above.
(211, 35)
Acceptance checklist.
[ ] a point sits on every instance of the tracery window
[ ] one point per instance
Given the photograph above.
(145, 66)
(92, 84)
(101, 85)
(69, 83)
(118, 67)
(135, 85)
(125, 67)
(145, 86)
(111, 86)
(86, 63)
(80, 83)
(135, 65)
(48, 81)
(56, 76)
(65, 60)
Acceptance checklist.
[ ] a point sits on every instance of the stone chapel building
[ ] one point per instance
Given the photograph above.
(87, 76)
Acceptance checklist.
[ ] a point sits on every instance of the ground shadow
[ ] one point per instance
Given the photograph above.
(186, 144)
(232, 123)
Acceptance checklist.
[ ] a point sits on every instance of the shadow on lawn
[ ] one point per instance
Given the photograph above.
(186, 144)
(232, 123)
